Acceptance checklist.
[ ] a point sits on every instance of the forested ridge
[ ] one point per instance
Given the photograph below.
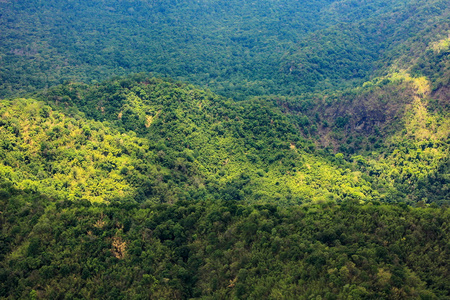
(237, 48)
(143, 188)
(224, 149)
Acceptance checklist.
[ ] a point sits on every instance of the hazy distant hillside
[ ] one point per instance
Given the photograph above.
(205, 41)
(237, 48)
(368, 37)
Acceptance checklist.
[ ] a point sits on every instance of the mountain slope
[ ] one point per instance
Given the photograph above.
(325, 175)
(246, 150)
(365, 41)
(395, 130)
(237, 48)
(193, 144)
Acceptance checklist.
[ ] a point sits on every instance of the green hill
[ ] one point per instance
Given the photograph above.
(142, 188)
(301, 150)
(237, 48)
(163, 142)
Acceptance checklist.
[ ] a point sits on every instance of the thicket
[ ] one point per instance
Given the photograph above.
(219, 250)
(237, 48)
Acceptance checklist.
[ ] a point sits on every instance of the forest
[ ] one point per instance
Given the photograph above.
(224, 149)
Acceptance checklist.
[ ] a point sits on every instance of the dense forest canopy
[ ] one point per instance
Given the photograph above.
(219, 149)
(143, 188)
(237, 48)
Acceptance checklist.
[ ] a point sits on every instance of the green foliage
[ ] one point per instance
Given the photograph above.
(157, 205)
(213, 249)
(394, 129)
(237, 48)
(211, 146)
(64, 157)
(329, 179)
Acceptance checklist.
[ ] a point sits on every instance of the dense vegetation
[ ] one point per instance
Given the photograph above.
(310, 161)
(220, 250)
(143, 188)
(186, 143)
(236, 47)
(395, 129)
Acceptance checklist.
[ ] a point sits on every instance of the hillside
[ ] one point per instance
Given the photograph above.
(224, 149)
(237, 48)
(395, 126)
(253, 146)
(184, 143)
(145, 188)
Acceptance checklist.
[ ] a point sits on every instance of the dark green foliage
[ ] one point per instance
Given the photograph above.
(237, 48)
(213, 249)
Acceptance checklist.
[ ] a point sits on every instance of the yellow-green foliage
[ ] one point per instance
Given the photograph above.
(246, 150)
(441, 45)
(45, 151)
